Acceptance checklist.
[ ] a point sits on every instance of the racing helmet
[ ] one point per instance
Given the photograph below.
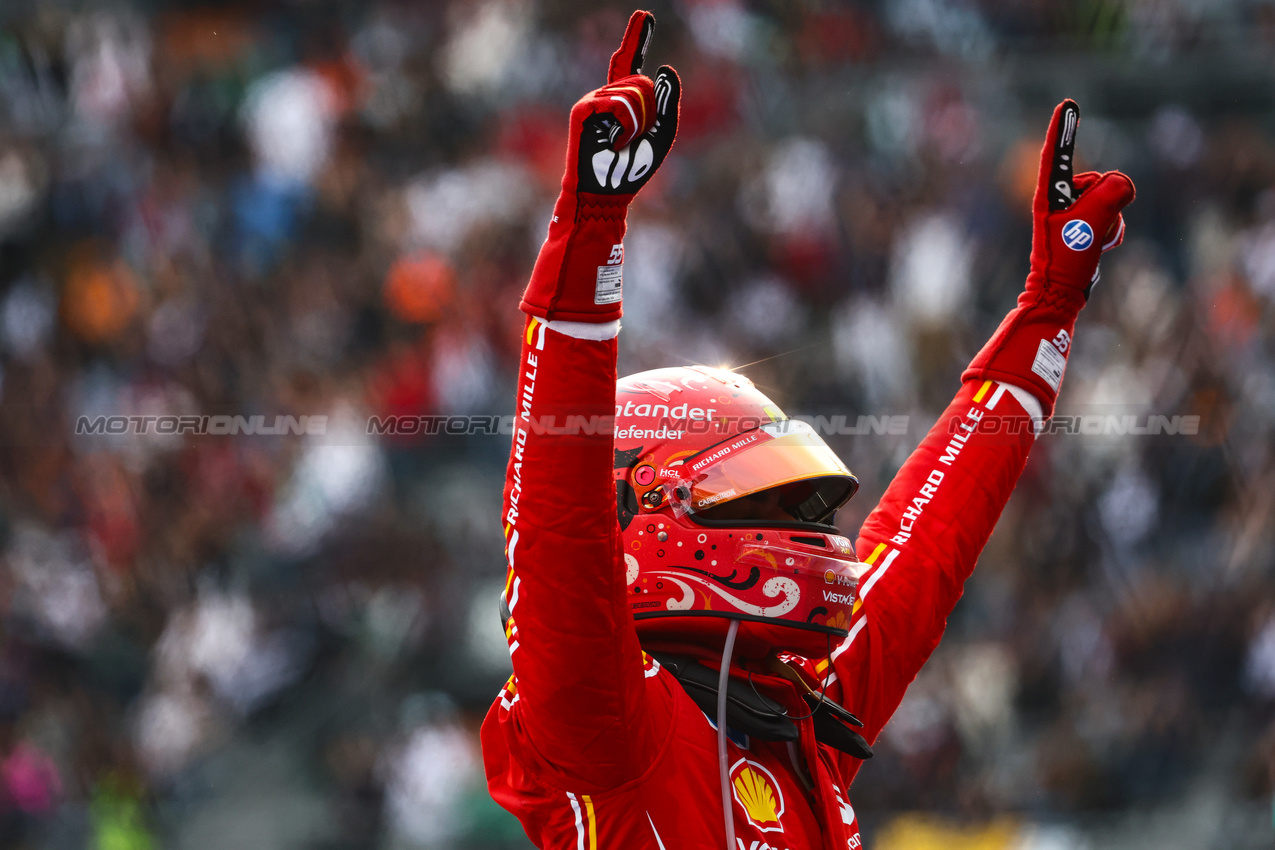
(725, 508)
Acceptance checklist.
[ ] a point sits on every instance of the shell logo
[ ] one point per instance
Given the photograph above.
(756, 790)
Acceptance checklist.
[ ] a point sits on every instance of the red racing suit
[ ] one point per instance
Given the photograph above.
(591, 744)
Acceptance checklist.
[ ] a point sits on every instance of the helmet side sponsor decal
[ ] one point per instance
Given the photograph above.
(661, 433)
(662, 421)
(717, 454)
(763, 433)
(838, 598)
(675, 412)
(715, 498)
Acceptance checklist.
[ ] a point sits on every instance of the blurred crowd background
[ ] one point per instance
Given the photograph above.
(313, 207)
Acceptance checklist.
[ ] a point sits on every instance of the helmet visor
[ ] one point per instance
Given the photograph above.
(809, 480)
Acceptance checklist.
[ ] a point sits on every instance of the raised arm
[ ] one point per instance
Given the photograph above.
(575, 704)
(924, 538)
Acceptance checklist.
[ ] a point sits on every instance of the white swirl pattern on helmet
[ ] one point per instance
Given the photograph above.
(777, 586)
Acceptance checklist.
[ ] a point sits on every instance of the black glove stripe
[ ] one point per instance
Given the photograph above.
(1062, 188)
(639, 58)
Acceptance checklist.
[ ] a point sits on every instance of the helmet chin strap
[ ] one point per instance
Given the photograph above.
(723, 677)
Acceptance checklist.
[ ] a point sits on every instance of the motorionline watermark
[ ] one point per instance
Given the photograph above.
(662, 428)
(218, 425)
(470, 425)
(835, 425)
(1084, 424)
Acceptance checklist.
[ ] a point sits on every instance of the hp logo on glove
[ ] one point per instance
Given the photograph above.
(1077, 235)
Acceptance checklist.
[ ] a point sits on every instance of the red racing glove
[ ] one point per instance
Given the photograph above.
(619, 135)
(1075, 220)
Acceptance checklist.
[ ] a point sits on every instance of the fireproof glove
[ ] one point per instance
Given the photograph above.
(619, 134)
(1075, 220)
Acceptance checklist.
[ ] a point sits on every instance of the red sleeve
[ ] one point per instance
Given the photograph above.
(576, 703)
(921, 543)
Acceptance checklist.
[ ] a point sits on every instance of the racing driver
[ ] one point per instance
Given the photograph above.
(700, 659)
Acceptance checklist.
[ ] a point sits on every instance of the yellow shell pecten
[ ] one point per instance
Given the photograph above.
(757, 797)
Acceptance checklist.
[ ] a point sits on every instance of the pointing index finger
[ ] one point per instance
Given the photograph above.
(1058, 160)
(632, 53)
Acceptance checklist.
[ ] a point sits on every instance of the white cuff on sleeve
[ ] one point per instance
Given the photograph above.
(1029, 402)
(586, 330)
